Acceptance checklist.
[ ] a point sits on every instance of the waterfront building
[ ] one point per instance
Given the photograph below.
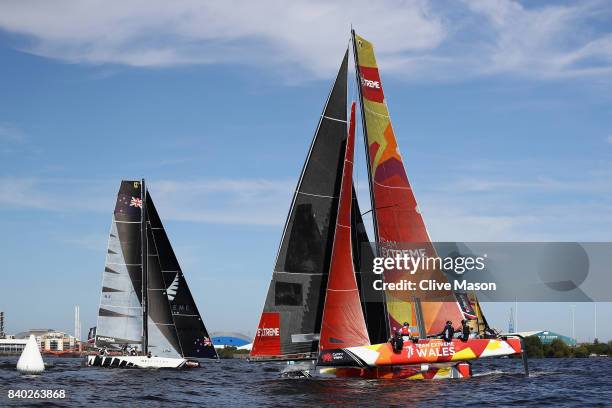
(12, 346)
(52, 341)
(547, 337)
(229, 339)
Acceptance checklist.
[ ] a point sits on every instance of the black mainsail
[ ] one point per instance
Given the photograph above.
(173, 326)
(291, 319)
(192, 337)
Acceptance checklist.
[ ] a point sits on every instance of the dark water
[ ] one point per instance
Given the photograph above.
(554, 382)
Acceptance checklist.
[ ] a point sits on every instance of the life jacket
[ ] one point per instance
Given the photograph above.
(405, 331)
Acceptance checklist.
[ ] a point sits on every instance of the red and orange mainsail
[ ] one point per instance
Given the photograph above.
(398, 222)
(343, 324)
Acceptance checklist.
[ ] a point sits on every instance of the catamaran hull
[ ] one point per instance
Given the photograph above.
(420, 360)
(422, 372)
(140, 362)
(462, 369)
(434, 351)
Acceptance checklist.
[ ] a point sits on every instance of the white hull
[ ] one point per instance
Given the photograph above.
(138, 362)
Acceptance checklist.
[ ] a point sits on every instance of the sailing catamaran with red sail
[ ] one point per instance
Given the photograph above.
(321, 306)
(146, 306)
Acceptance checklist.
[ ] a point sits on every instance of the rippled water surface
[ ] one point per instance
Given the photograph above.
(555, 382)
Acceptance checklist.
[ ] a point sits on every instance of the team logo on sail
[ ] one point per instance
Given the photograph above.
(172, 289)
(371, 85)
(268, 331)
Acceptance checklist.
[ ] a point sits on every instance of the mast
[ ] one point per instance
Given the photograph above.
(365, 138)
(144, 252)
(367, 153)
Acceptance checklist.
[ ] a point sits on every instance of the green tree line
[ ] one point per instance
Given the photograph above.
(558, 349)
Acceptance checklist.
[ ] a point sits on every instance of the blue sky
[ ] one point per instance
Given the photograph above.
(502, 111)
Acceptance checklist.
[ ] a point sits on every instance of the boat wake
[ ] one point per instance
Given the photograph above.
(490, 373)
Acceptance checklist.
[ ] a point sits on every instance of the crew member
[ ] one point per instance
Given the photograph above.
(447, 332)
(465, 330)
(404, 331)
(397, 342)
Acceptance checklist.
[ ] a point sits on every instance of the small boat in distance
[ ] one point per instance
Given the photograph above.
(147, 316)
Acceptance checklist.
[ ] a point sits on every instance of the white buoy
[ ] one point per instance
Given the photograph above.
(31, 361)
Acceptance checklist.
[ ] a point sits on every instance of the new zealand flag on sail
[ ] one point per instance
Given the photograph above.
(129, 201)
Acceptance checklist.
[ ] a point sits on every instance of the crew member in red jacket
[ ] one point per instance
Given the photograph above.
(404, 331)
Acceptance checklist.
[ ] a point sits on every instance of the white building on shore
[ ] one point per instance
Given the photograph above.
(11, 345)
(49, 341)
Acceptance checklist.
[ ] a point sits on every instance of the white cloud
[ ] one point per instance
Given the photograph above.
(11, 134)
(220, 201)
(537, 202)
(548, 41)
(305, 34)
(225, 201)
(304, 39)
(494, 208)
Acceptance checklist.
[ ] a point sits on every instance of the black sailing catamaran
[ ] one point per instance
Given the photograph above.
(145, 304)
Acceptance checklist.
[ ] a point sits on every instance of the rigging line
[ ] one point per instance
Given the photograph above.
(379, 208)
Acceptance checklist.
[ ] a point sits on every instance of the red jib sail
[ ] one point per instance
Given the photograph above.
(343, 324)
(398, 222)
